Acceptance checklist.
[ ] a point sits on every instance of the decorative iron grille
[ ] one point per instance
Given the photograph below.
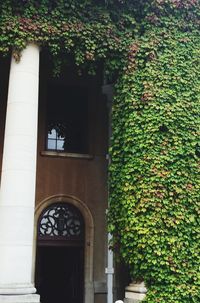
(61, 221)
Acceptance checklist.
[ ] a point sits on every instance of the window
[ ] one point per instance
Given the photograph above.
(67, 119)
(61, 221)
(56, 141)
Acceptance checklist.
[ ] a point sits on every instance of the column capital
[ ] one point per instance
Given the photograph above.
(17, 55)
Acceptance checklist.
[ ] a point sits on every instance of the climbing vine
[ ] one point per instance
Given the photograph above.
(154, 175)
(153, 48)
(80, 31)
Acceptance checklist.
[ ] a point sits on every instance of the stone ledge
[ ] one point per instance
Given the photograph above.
(66, 155)
(131, 301)
(137, 288)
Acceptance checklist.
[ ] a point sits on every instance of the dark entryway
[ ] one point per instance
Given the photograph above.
(60, 274)
(60, 255)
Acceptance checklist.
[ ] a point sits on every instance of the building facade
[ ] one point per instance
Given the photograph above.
(53, 196)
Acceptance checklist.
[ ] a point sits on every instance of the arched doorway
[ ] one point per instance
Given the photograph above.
(60, 254)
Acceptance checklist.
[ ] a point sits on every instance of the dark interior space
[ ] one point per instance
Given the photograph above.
(67, 118)
(59, 274)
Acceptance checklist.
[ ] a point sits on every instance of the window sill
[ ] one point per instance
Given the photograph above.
(66, 155)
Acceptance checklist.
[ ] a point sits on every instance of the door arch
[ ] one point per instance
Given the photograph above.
(79, 210)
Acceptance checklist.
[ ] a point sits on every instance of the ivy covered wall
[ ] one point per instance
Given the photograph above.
(152, 48)
(154, 175)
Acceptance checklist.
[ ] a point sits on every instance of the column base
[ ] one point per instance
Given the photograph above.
(136, 298)
(34, 298)
(18, 293)
(135, 292)
(17, 289)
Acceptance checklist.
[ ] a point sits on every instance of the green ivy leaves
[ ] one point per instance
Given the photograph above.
(85, 31)
(154, 48)
(154, 174)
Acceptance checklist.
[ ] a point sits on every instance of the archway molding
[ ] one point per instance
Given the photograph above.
(89, 238)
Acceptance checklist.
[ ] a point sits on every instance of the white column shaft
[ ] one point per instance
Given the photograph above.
(17, 192)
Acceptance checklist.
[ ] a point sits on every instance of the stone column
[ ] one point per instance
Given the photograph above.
(17, 192)
(135, 292)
